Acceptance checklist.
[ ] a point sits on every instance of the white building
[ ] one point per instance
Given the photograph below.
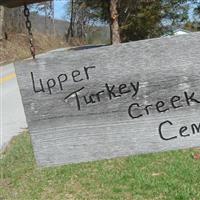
(180, 32)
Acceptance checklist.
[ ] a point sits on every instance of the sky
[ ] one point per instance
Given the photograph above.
(59, 8)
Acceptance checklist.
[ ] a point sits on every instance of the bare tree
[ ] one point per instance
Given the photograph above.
(70, 32)
(52, 16)
(46, 9)
(82, 20)
(13, 20)
(1, 22)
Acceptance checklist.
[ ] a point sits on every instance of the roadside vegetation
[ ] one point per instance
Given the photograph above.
(16, 47)
(171, 175)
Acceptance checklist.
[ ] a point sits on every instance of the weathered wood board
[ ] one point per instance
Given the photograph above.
(112, 101)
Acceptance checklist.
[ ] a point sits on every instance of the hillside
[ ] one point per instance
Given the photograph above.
(94, 34)
(17, 46)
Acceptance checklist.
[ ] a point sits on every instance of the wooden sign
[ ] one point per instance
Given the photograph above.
(112, 101)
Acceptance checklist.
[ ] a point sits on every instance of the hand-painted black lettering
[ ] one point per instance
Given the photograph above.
(147, 108)
(61, 79)
(195, 128)
(182, 130)
(86, 71)
(90, 100)
(159, 105)
(190, 98)
(33, 83)
(50, 84)
(123, 89)
(135, 88)
(98, 95)
(174, 100)
(161, 133)
(111, 92)
(130, 111)
(77, 97)
(75, 75)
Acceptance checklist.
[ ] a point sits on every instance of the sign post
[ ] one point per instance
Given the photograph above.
(113, 101)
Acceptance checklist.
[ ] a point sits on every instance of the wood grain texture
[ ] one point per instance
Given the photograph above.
(167, 71)
(18, 3)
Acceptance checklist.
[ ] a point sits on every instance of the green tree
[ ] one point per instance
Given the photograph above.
(143, 19)
(140, 20)
(106, 11)
(197, 11)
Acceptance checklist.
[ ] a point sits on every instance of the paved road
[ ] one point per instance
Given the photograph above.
(12, 115)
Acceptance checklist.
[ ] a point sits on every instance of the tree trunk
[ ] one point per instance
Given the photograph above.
(1, 22)
(70, 32)
(45, 18)
(53, 17)
(72, 19)
(114, 25)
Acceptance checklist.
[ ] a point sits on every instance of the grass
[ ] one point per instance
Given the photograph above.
(171, 175)
(17, 46)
